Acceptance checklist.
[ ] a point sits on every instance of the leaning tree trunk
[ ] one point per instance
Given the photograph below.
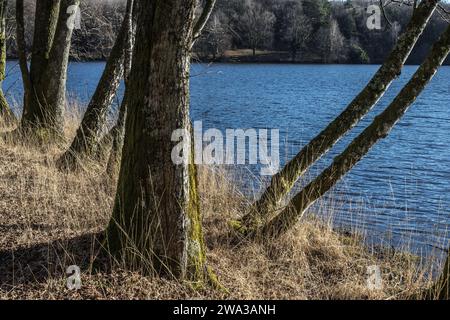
(92, 126)
(283, 182)
(117, 133)
(358, 148)
(45, 103)
(156, 223)
(117, 136)
(6, 115)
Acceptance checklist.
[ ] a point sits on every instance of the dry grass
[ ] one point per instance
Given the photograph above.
(50, 220)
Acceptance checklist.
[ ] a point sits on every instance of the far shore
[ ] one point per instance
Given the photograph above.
(241, 56)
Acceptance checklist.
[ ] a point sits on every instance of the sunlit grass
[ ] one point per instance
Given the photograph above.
(50, 220)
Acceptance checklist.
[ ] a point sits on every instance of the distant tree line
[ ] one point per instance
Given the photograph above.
(304, 31)
(92, 40)
(311, 31)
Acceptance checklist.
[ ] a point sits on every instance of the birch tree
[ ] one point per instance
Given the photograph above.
(284, 181)
(156, 224)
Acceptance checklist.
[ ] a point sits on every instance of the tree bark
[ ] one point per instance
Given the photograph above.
(117, 133)
(156, 223)
(6, 115)
(92, 126)
(117, 136)
(441, 289)
(360, 146)
(46, 18)
(22, 51)
(45, 104)
(283, 182)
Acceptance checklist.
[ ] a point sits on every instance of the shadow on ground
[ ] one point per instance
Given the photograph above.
(38, 263)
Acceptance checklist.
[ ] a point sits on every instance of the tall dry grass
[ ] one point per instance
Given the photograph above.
(50, 220)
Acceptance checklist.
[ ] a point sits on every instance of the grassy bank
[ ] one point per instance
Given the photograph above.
(260, 56)
(50, 220)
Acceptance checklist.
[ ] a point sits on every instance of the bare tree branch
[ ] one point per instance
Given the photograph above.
(203, 19)
(384, 13)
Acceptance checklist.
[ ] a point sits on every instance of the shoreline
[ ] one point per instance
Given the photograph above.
(257, 62)
(314, 261)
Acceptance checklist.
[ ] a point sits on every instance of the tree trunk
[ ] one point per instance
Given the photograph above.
(6, 115)
(293, 55)
(441, 290)
(45, 104)
(117, 135)
(283, 182)
(46, 18)
(93, 124)
(156, 223)
(21, 51)
(203, 18)
(358, 148)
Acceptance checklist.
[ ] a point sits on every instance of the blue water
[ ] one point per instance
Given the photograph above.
(399, 194)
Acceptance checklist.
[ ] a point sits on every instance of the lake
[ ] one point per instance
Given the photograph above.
(398, 195)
